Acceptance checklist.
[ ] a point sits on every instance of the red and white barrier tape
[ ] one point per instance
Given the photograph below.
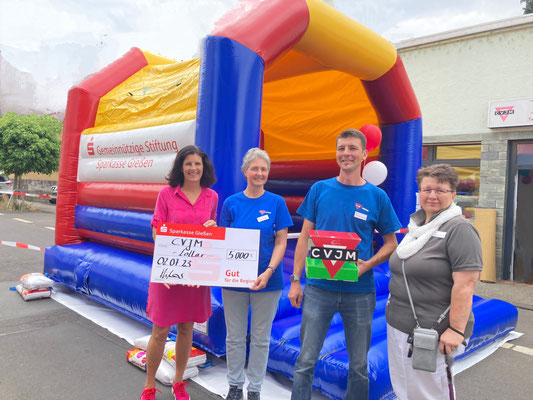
(22, 245)
(29, 194)
(402, 230)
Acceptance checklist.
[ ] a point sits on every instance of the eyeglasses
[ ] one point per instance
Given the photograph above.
(438, 192)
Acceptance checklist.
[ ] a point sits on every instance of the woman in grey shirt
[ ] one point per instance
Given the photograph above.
(441, 256)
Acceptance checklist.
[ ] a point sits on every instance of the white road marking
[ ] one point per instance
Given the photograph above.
(10, 333)
(23, 220)
(50, 227)
(520, 349)
(525, 350)
(2, 214)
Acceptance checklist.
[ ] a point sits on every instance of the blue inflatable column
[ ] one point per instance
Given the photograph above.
(228, 120)
(401, 152)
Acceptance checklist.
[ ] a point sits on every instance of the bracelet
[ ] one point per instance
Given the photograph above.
(456, 331)
(272, 268)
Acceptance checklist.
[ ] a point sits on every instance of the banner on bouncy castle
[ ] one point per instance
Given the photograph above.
(142, 155)
(333, 255)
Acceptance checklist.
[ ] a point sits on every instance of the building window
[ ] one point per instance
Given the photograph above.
(465, 158)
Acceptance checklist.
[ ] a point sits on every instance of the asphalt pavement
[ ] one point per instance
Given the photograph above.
(50, 352)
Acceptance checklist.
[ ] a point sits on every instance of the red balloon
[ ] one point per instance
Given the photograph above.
(373, 136)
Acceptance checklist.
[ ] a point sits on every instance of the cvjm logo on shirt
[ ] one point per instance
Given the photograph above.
(360, 207)
(358, 214)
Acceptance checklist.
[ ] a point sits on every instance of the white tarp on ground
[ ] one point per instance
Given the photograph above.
(214, 378)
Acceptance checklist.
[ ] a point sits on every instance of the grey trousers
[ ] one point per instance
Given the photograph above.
(236, 306)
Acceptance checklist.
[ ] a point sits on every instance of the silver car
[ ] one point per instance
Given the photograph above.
(6, 185)
(53, 200)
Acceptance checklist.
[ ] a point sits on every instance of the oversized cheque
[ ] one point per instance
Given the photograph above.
(192, 254)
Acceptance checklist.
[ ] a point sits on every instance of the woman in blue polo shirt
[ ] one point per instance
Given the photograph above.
(254, 208)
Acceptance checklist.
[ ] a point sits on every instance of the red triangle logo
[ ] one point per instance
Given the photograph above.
(502, 112)
(333, 267)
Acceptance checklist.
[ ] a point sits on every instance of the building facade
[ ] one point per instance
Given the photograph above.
(475, 88)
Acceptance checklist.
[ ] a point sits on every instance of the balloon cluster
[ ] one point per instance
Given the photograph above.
(373, 136)
(374, 172)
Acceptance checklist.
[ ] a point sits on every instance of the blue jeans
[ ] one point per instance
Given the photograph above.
(319, 306)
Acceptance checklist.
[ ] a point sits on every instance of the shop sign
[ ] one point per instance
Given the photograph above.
(510, 113)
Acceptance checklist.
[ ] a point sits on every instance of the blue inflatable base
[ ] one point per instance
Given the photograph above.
(331, 371)
(119, 279)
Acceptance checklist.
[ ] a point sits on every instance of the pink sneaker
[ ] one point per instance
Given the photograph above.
(149, 393)
(179, 391)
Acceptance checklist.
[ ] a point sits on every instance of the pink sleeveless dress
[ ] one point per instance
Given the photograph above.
(181, 303)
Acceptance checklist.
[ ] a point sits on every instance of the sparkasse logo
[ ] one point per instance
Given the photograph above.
(504, 112)
(90, 147)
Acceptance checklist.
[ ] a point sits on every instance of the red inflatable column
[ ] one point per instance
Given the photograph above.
(80, 114)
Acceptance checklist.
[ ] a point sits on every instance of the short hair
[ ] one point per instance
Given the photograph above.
(444, 173)
(176, 177)
(252, 154)
(352, 133)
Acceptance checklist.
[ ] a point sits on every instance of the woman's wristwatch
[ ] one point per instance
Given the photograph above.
(295, 278)
(272, 268)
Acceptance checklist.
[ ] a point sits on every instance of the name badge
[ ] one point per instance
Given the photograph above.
(439, 234)
(262, 218)
(359, 215)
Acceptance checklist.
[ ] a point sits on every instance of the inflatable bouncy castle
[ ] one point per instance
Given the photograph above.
(286, 76)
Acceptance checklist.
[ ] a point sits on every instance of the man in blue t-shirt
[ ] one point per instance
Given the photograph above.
(346, 203)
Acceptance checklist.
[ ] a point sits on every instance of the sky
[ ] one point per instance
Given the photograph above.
(399, 20)
(46, 46)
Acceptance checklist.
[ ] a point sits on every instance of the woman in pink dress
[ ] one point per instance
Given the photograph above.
(186, 200)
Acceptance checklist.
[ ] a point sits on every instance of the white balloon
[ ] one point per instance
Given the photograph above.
(375, 172)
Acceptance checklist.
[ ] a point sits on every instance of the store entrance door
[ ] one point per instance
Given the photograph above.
(521, 266)
(523, 250)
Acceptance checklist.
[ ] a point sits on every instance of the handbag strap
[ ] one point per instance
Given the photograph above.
(441, 317)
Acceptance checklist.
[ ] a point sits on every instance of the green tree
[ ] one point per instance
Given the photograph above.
(528, 9)
(29, 143)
